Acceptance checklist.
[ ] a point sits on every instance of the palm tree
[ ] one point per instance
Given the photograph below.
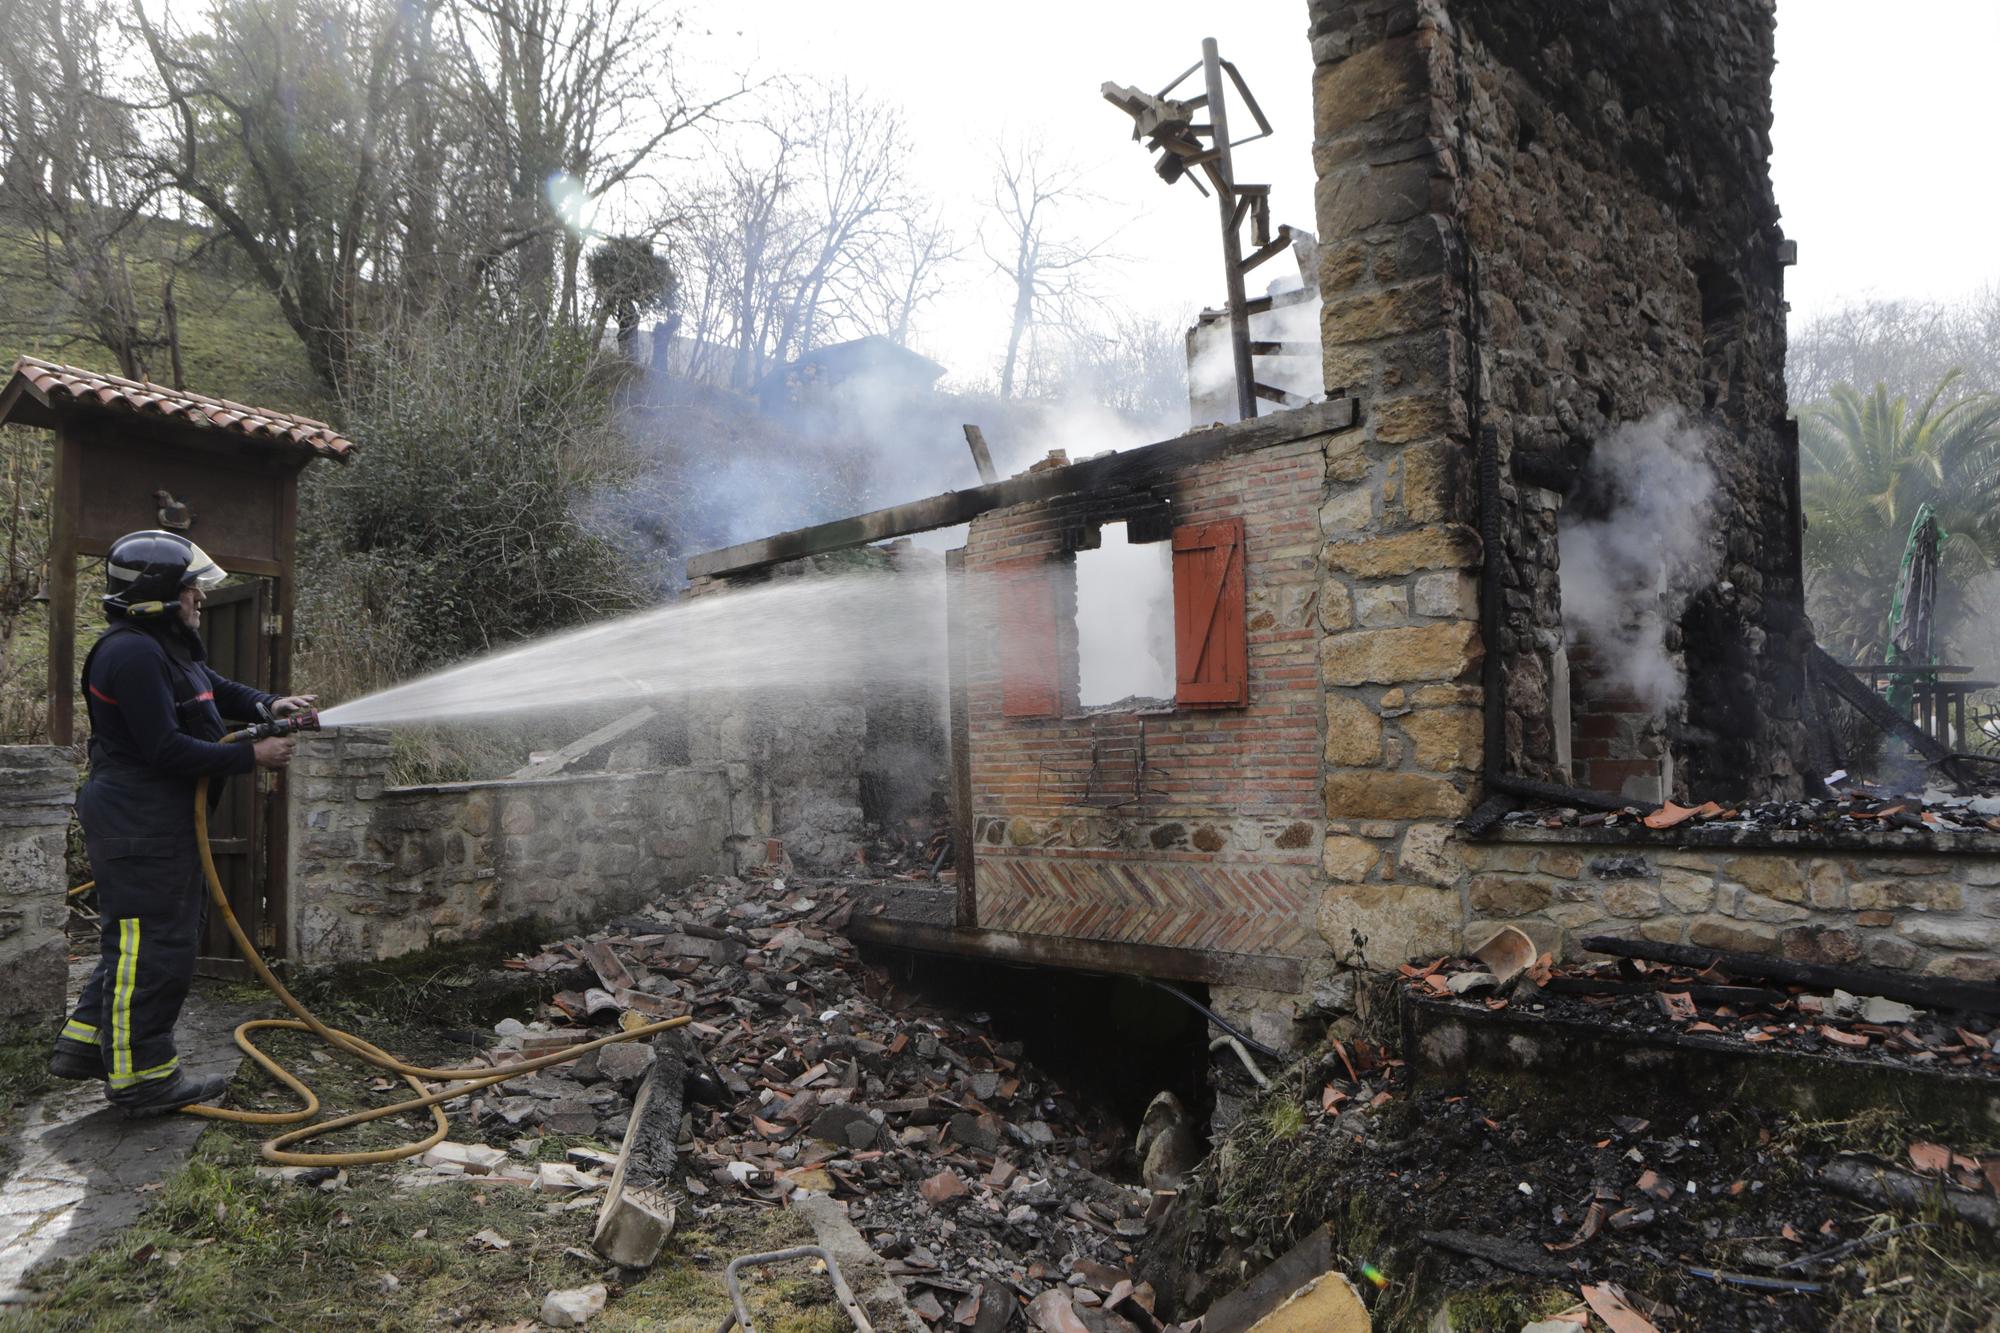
(1866, 464)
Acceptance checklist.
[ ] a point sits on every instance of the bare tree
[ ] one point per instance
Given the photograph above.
(70, 183)
(274, 125)
(810, 233)
(1136, 364)
(578, 98)
(1050, 268)
(1907, 345)
(854, 193)
(912, 273)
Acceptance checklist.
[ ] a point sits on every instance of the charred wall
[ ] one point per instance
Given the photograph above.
(1620, 255)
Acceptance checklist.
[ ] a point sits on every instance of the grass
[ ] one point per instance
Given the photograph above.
(448, 986)
(235, 342)
(1945, 1278)
(222, 1248)
(24, 1076)
(24, 1067)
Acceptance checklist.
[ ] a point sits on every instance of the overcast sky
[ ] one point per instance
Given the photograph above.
(1883, 132)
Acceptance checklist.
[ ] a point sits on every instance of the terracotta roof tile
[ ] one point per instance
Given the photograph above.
(54, 384)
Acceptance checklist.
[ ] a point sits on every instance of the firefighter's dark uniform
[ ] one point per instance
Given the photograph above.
(156, 710)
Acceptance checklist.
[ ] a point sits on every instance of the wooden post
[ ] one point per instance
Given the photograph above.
(278, 812)
(961, 736)
(62, 590)
(982, 457)
(1232, 241)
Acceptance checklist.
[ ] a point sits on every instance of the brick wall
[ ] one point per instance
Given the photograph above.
(1220, 849)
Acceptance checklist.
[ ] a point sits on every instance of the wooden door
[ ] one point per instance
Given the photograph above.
(233, 627)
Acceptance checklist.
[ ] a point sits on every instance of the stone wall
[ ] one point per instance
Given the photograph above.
(37, 794)
(1621, 254)
(822, 764)
(1913, 902)
(378, 871)
(1535, 223)
(1400, 654)
(1538, 223)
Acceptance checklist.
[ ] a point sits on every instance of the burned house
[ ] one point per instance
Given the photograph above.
(1549, 258)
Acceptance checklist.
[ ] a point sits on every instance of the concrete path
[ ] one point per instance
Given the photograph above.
(84, 1171)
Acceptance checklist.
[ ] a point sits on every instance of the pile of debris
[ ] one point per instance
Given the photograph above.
(915, 848)
(1497, 1195)
(1860, 807)
(969, 1170)
(1757, 1001)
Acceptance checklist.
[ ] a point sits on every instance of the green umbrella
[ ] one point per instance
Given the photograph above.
(1912, 627)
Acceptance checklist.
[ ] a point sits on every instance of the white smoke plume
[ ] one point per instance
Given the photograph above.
(716, 467)
(1629, 570)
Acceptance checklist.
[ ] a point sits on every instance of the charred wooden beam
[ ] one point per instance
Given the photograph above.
(1924, 992)
(1827, 668)
(982, 457)
(1887, 1187)
(1112, 474)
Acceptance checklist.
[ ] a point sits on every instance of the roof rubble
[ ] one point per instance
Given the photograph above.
(1857, 808)
(969, 1170)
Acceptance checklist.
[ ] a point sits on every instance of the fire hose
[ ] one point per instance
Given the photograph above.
(461, 1081)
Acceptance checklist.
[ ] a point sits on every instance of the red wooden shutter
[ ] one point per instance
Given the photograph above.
(1211, 645)
(1030, 679)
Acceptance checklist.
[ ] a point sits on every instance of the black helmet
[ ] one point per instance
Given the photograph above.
(146, 571)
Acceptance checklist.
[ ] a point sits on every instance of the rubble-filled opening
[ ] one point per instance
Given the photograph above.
(1124, 620)
(1113, 1042)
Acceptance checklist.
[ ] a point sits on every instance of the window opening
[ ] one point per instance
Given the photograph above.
(1124, 622)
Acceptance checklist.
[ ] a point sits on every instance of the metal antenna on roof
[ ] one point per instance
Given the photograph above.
(1168, 127)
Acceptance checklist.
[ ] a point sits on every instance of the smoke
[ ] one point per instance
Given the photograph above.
(1124, 620)
(1628, 571)
(716, 467)
(1212, 372)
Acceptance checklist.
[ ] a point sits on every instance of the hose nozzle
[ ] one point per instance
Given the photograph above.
(306, 719)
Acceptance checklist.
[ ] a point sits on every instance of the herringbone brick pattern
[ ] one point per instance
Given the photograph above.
(1220, 907)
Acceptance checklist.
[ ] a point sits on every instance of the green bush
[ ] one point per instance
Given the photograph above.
(460, 525)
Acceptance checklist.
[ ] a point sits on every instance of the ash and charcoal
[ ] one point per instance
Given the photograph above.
(1855, 807)
(1707, 1210)
(1658, 999)
(983, 1184)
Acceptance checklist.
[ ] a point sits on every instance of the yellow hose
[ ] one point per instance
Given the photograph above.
(464, 1081)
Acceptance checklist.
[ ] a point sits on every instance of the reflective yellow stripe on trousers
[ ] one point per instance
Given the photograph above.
(125, 983)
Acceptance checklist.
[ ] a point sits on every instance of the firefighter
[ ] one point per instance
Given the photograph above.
(156, 710)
